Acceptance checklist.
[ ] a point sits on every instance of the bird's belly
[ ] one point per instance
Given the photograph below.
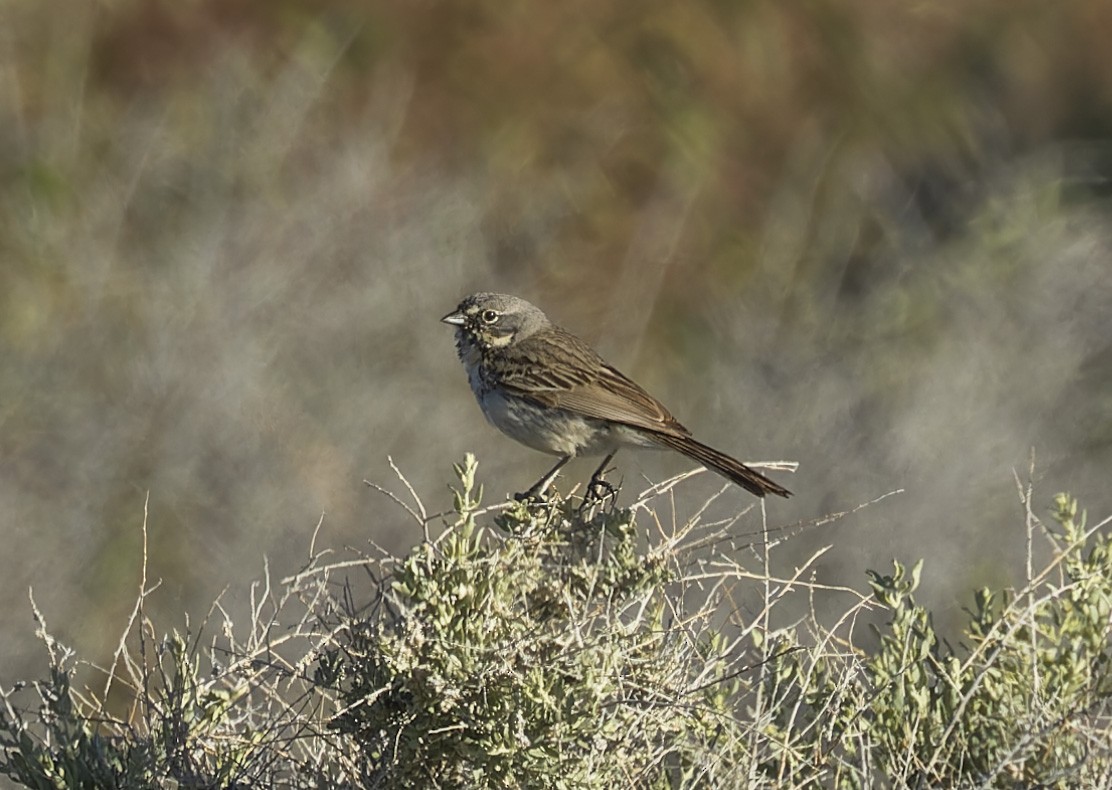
(552, 431)
(555, 431)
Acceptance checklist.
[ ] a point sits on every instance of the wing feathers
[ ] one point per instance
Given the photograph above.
(557, 369)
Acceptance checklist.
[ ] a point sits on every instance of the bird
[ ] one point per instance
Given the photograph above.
(546, 388)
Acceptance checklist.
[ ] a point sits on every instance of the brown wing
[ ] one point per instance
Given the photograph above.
(573, 376)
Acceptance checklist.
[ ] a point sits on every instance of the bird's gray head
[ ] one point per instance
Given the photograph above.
(495, 320)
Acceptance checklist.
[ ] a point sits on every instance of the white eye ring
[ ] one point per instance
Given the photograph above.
(489, 316)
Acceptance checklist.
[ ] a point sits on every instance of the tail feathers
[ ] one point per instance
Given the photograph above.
(749, 479)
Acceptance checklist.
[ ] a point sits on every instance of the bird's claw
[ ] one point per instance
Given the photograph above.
(532, 498)
(599, 490)
(598, 484)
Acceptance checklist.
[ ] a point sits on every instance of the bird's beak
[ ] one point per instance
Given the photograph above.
(456, 319)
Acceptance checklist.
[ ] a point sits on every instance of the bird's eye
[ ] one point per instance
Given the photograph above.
(489, 316)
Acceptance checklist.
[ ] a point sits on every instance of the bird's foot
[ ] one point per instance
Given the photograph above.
(531, 497)
(599, 490)
(536, 492)
(537, 496)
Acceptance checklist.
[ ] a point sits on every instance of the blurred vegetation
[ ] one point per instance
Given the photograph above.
(870, 237)
(553, 645)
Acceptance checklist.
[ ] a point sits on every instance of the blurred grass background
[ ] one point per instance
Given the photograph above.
(870, 237)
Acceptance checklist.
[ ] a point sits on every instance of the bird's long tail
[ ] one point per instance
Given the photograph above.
(749, 479)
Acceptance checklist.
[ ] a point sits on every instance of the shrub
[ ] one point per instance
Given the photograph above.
(582, 646)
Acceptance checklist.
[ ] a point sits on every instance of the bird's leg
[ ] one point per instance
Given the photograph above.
(536, 491)
(597, 482)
